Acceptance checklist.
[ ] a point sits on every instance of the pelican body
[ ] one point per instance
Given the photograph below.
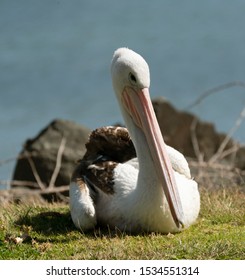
(129, 178)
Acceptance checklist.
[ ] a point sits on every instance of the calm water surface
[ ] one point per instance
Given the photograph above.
(55, 58)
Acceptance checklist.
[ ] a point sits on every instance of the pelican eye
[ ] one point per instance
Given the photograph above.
(132, 78)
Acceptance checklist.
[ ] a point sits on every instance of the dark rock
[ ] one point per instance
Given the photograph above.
(176, 127)
(239, 160)
(43, 152)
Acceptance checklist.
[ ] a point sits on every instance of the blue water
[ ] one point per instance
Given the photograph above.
(55, 58)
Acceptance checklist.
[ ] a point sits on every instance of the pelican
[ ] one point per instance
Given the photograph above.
(129, 178)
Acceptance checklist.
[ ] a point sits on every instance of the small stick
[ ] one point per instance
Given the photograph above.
(34, 171)
(194, 140)
(228, 137)
(19, 183)
(58, 163)
(215, 90)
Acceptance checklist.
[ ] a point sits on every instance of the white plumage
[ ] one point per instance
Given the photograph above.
(146, 193)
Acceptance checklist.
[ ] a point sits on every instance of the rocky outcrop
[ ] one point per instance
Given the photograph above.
(188, 134)
(180, 130)
(43, 149)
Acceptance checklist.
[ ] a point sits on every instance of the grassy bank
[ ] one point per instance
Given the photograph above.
(46, 232)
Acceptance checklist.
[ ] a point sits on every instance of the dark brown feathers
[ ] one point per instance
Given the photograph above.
(107, 146)
(113, 142)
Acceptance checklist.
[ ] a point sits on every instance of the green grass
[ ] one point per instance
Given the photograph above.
(219, 233)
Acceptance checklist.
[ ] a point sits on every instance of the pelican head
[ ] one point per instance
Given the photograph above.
(129, 69)
(131, 82)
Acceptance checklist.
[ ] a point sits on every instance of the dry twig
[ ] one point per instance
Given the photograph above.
(194, 140)
(34, 171)
(10, 183)
(211, 91)
(58, 163)
(220, 153)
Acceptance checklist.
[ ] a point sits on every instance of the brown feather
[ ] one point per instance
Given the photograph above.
(107, 146)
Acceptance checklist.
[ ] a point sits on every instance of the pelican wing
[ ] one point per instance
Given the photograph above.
(106, 148)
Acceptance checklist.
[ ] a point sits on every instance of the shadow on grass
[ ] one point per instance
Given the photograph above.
(51, 223)
(47, 223)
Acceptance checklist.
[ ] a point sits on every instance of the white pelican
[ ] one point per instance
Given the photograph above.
(153, 193)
